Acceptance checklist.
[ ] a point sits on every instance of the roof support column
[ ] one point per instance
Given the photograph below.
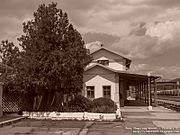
(149, 93)
(136, 89)
(143, 91)
(178, 93)
(116, 96)
(121, 91)
(155, 92)
(138, 92)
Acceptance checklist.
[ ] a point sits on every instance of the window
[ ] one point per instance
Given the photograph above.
(103, 62)
(90, 91)
(107, 91)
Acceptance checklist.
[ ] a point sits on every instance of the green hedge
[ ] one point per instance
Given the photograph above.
(103, 105)
(79, 104)
(83, 104)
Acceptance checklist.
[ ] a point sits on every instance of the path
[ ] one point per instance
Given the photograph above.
(138, 120)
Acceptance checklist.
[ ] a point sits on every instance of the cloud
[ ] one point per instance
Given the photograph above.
(106, 39)
(113, 17)
(164, 30)
(169, 14)
(163, 71)
(107, 16)
(17, 8)
(10, 28)
(147, 40)
(164, 3)
(93, 46)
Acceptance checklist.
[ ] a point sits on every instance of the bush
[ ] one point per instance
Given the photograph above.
(103, 105)
(79, 104)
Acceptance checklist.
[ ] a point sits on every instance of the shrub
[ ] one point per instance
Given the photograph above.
(79, 104)
(103, 105)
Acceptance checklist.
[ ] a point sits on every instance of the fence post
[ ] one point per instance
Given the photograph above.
(1, 93)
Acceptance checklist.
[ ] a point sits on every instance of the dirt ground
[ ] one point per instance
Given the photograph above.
(43, 127)
(4, 118)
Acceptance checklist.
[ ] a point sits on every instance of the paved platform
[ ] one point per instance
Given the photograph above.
(157, 113)
(166, 120)
(139, 120)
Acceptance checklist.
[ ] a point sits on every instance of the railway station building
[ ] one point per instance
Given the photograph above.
(108, 76)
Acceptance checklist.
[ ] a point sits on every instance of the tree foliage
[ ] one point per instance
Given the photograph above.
(9, 54)
(53, 56)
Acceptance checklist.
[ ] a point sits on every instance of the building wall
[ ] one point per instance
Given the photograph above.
(99, 77)
(112, 63)
(116, 62)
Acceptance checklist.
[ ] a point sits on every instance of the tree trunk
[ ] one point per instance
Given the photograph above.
(53, 99)
(35, 103)
(39, 102)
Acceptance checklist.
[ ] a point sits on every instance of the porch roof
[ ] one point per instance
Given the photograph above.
(132, 78)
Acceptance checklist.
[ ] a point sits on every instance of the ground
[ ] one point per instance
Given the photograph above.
(4, 118)
(128, 127)
(43, 127)
(138, 121)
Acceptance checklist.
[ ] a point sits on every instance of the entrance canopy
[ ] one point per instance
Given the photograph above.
(132, 78)
(135, 79)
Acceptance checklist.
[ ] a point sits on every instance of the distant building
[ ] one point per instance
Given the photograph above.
(167, 84)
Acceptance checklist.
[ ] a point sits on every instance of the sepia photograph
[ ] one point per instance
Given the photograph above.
(89, 67)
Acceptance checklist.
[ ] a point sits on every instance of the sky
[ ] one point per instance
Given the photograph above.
(145, 31)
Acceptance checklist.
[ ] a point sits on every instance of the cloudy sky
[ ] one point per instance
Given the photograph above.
(146, 31)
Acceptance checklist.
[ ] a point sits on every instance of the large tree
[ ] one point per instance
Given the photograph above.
(53, 56)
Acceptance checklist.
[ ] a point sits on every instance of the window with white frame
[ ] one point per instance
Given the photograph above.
(90, 91)
(103, 62)
(107, 91)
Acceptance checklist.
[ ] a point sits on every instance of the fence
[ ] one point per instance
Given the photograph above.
(14, 101)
